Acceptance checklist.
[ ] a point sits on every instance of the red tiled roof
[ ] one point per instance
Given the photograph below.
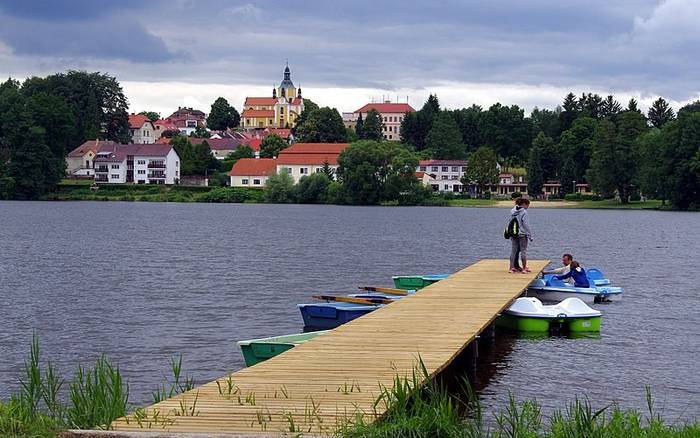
(419, 175)
(260, 101)
(255, 144)
(282, 132)
(394, 108)
(136, 121)
(298, 158)
(90, 145)
(254, 167)
(258, 113)
(315, 148)
(442, 163)
(504, 175)
(164, 124)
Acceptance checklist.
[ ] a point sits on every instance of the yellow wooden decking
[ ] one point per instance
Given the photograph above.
(339, 374)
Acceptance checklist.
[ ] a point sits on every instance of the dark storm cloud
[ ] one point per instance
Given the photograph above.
(645, 45)
(82, 29)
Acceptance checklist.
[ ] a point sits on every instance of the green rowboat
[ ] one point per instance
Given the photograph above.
(415, 282)
(259, 350)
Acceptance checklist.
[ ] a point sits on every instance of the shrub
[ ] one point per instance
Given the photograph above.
(313, 189)
(223, 194)
(279, 189)
(516, 195)
(581, 197)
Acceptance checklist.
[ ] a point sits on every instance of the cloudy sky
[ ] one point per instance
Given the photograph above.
(531, 53)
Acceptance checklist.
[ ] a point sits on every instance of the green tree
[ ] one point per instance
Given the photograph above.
(632, 105)
(415, 126)
(279, 189)
(365, 167)
(55, 117)
(152, 115)
(660, 113)
(507, 131)
(547, 121)
(359, 127)
(650, 176)
(194, 159)
(309, 107)
(575, 148)
(324, 125)
(611, 107)
(271, 146)
(535, 174)
(313, 189)
(614, 162)
(32, 166)
(372, 126)
(591, 105)
(222, 116)
(570, 111)
(200, 132)
(445, 139)
(328, 170)
(468, 122)
(482, 170)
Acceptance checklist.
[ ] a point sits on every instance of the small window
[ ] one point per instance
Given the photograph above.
(289, 170)
(455, 168)
(464, 168)
(455, 177)
(444, 176)
(304, 171)
(434, 169)
(113, 176)
(244, 181)
(447, 187)
(445, 168)
(423, 168)
(141, 172)
(256, 182)
(142, 162)
(115, 166)
(319, 169)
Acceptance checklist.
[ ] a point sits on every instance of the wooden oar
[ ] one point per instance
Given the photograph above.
(386, 290)
(353, 299)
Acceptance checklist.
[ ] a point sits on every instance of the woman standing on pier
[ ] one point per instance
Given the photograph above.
(520, 240)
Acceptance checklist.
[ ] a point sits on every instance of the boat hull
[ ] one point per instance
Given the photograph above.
(415, 282)
(325, 316)
(553, 294)
(259, 350)
(569, 324)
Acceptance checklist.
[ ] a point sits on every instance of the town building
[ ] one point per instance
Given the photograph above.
(303, 159)
(142, 130)
(136, 164)
(279, 111)
(186, 120)
(509, 184)
(252, 172)
(443, 175)
(392, 115)
(80, 161)
(221, 147)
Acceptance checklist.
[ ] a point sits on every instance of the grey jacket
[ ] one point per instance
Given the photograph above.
(523, 222)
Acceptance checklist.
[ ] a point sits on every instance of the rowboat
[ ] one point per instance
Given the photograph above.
(259, 350)
(325, 316)
(552, 290)
(417, 281)
(528, 314)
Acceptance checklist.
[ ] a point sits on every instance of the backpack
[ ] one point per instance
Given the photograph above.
(512, 229)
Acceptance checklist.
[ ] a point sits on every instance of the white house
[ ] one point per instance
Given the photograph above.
(252, 172)
(137, 164)
(302, 159)
(443, 175)
(80, 161)
(143, 131)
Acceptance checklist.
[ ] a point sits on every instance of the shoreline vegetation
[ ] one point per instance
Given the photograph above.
(77, 190)
(46, 405)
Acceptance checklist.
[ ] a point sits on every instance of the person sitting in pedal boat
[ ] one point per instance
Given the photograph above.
(577, 273)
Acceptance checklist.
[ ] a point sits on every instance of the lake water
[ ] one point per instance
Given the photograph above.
(143, 282)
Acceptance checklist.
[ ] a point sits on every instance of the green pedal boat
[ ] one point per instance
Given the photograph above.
(528, 314)
(259, 350)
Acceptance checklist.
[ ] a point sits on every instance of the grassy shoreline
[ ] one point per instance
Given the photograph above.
(70, 190)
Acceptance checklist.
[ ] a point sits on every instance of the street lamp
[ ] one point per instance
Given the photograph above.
(574, 187)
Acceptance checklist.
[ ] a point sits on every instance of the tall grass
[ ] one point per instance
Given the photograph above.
(96, 396)
(417, 410)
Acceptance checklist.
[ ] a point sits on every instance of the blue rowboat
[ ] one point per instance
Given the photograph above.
(325, 316)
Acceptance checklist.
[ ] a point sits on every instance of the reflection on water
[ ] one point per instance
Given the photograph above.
(143, 282)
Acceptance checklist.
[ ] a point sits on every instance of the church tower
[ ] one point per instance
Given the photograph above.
(286, 88)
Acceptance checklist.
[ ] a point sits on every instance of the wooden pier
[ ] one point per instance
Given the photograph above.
(336, 376)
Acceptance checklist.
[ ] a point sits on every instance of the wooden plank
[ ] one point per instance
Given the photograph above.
(327, 380)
